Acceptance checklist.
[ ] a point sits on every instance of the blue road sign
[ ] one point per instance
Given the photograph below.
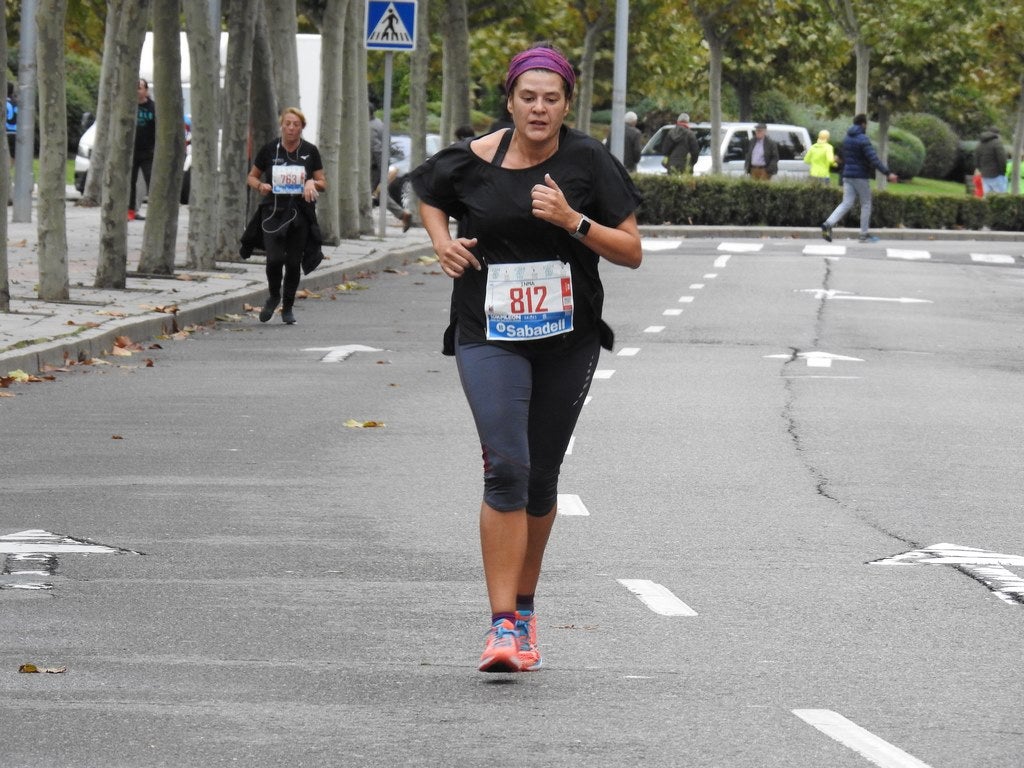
(391, 25)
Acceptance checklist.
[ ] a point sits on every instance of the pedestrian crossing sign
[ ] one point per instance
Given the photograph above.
(391, 25)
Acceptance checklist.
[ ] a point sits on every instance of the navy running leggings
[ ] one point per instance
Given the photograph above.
(525, 405)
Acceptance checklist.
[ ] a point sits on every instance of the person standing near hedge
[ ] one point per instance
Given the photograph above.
(822, 159)
(990, 160)
(859, 163)
(762, 156)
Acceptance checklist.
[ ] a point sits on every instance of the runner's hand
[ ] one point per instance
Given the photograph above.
(550, 205)
(455, 256)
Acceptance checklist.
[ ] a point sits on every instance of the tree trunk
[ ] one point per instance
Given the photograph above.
(419, 73)
(863, 53)
(1018, 143)
(264, 116)
(204, 53)
(884, 113)
(93, 192)
(112, 266)
(53, 151)
(283, 20)
(234, 159)
(161, 234)
(332, 50)
(5, 185)
(356, 209)
(594, 30)
(455, 31)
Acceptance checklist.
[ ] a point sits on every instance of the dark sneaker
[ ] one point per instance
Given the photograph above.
(268, 308)
(867, 239)
(826, 232)
(288, 316)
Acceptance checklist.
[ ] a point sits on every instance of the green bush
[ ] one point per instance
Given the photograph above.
(940, 142)
(720, 201)
(906, 153)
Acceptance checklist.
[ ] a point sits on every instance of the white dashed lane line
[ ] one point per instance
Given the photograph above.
(909, 255)
(861, 741)
(654, 329)
(658, 598)
(993, 258)
(629, 352)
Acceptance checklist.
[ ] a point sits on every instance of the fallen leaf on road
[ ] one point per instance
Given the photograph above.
(121, 352)
(302, 293)
(32, 668)
(396, 271)
(170, 309)
(427, 259)
(116, 437)
(363, 424)
(350, 285)
(111, 313)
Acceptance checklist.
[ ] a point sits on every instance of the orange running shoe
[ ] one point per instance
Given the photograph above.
(501, 654)
(529, 653)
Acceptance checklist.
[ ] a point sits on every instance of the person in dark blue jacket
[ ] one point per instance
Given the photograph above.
(859, 163)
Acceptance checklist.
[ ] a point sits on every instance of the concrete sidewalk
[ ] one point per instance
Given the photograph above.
(36, 334)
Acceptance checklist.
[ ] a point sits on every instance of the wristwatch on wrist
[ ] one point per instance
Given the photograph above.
(582, 228)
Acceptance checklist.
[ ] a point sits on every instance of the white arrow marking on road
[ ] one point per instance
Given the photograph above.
(822, 293)
(980, 564)
(860, 740)
(817, 359)
(337, 354)
(571, 504)
(741, 247)
(993, 258)
(659, 245)
(898, 253)
(657, 598)
(44, 542)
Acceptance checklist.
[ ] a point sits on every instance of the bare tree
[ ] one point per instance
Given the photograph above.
(53, 151)
(455, 67)
(5, 183)
(234, 160)
(93, 191)
(161, 234)
(332, 51)
(112, 266)
(204, 55)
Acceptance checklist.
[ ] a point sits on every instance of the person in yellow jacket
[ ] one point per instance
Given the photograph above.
(822, 159)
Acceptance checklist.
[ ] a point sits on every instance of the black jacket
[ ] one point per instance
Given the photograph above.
(252, 237)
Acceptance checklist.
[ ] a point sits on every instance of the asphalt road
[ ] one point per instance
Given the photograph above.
(285, 590)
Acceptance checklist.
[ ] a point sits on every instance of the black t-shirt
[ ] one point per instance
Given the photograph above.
(145, 129)
(273, 153)
(494, 204)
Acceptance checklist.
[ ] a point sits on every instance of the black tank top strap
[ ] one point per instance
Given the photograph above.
(499, 155)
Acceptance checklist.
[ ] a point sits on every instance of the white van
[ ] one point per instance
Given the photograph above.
(793, 141)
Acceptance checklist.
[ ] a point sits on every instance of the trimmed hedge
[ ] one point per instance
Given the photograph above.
(709, 201)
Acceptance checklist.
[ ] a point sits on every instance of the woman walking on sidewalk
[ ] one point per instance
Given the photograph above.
(289, 174)
(538, 206)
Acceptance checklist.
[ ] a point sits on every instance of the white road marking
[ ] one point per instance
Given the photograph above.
(686, 299)
(570, 504)
(629, 352)
(861, 741)
(656, 244)
(603, 373)
(672, 312)
(696, 286)
(993, 258)
(741, 247)
(898, 253)
(817, 359)
(572, 442)
(824, 250)
(44, 542)
(710, 276)
(654, 329)
(721, 261)
(658, 598)
(337, 354)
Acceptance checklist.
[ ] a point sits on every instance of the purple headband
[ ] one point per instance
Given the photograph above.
(540, 58)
